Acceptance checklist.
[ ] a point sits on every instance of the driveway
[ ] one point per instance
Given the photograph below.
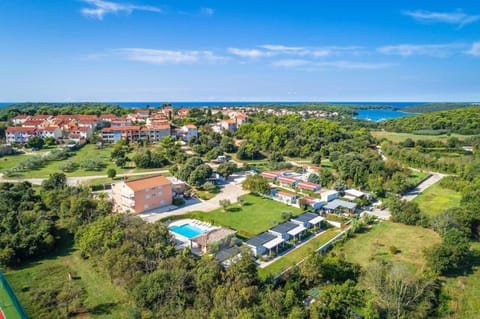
(230, 191)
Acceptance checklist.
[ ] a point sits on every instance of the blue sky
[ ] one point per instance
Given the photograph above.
(239, 50)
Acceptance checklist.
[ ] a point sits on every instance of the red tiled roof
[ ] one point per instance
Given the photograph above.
(308, 185)
(121, 128)
(147, 182)
(287, 194)
(287, 179)
(270, 174)
(14, 129)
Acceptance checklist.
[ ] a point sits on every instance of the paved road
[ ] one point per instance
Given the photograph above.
(230, 191)
(74, 181)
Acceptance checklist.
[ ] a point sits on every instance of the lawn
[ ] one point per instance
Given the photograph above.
(375, 244)
(103, 300)
(465, 292)
(295, 256)
(257, 215)
(437, 199)
(400, 137)
(9, 161)
(89, 151)
(416, 177)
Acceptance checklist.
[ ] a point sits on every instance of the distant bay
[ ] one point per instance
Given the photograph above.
(380, 115)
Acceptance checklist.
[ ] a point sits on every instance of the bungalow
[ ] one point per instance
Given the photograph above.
(311, 169)
(340, 206)
(327, 195)
(226, 256)
(307, 186)
(288, 230)
(264, 243)
(315, 203)
(288, 198)
(270, 175)
(352, 194)
(288, 181)
(203, 241)
(308, 220)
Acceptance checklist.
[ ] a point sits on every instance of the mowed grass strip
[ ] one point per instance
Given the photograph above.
(295, 256)
(401, 137)
(7, 305)
(103, 299)
(257, 215)
(436, 199)
(375, 243)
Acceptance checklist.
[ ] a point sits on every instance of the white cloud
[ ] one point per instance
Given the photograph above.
(207, 11)
(435, 50)
(459, 18)
(312, 65)
(249, 53)
(291, 63)
(100, 8)
(168, 56)
(474, 50)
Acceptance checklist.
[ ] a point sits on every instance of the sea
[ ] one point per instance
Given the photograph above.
(375, 115)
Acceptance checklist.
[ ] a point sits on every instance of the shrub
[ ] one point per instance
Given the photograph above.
(393, 250)
(178, 201)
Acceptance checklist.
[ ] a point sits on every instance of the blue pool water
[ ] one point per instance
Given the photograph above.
(187, 230)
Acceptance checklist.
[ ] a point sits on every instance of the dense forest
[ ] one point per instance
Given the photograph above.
(9, 112)
(463, 121)
(435, 107)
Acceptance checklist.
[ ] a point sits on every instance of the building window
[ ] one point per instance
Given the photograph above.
(160, 193)
(162, 202)
(147, 189)
(145, 206)
(147, 197)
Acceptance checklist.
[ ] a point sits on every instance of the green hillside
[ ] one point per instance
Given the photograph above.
(435, 107)
(463, 121)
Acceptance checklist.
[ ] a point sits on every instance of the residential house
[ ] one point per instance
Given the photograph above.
(288, 181)
(80, 133)
(114, 134)
(264, 244)
(288, 230)
(340, 206)
(107, 118)
(229, 125)
(315, 203)
(270, 175)
(121, 122)
(218, 235)
(241, 118)
(50, 131)
(308, 220)
(188, 131)
(307, 186)
(35, 123)
(156, 133)
(146, 193)
(352, 194)
(327, 195)
(311, 169)
(286, 197)
(19, 134)
(20, 119)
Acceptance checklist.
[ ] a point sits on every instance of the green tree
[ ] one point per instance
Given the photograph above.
(225, 203)
(111, 173)
(35, 142)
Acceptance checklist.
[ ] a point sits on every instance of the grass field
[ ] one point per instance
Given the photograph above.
(416, 177)
(257, 215)
(8, 306)
(89, 151)
(375, 244)
(437, 199)
(400, 137)
(465, 291)
(103, 300)
(298, 254)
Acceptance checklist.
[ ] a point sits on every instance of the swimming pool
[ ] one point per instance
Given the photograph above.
(187, 230)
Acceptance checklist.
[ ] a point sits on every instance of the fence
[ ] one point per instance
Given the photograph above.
(12, 301)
